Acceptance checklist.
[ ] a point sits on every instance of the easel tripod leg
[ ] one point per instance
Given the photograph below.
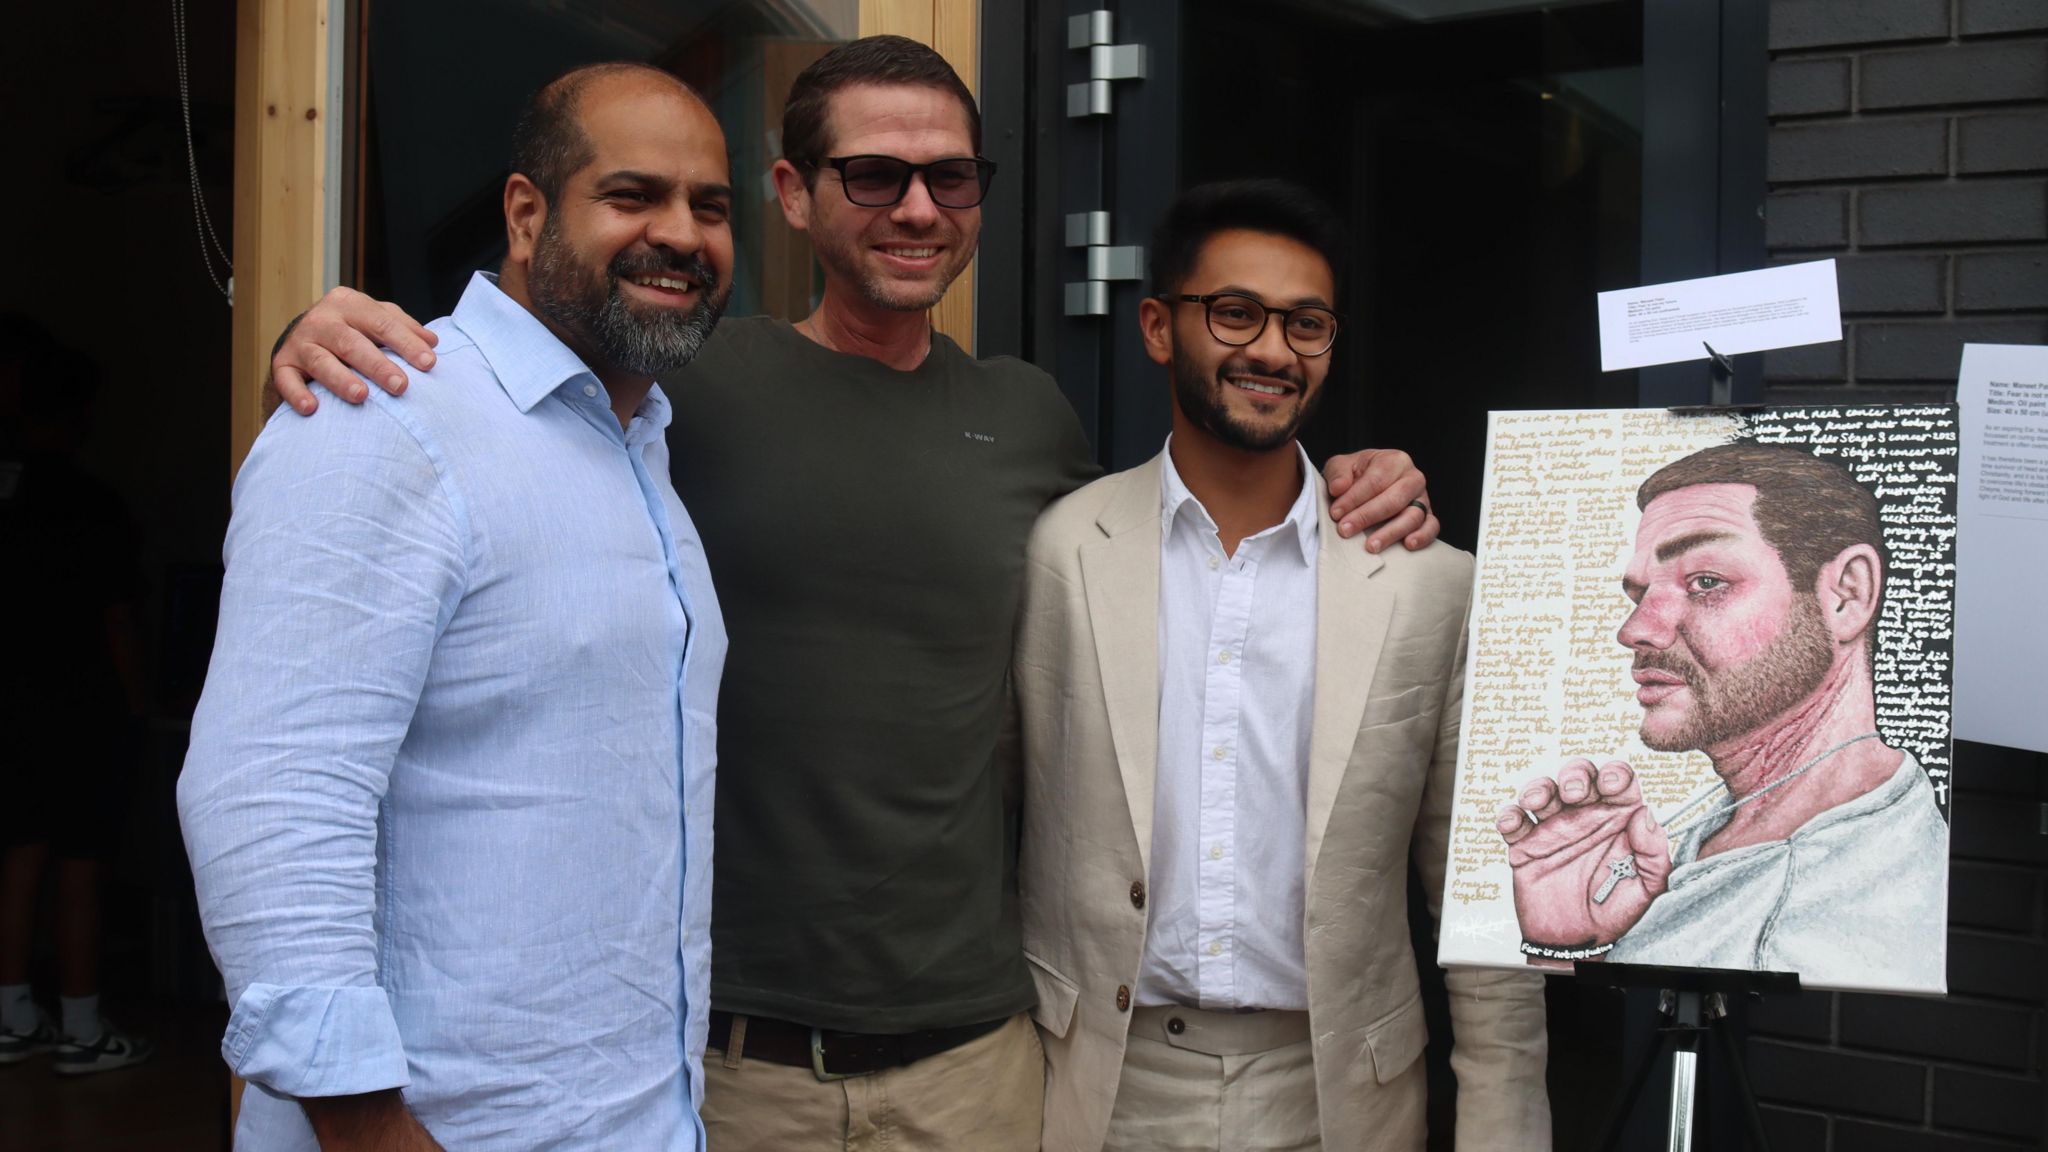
(1750, 1115)
(1685, 1073)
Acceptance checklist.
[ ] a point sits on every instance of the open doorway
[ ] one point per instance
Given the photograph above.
(113, 433)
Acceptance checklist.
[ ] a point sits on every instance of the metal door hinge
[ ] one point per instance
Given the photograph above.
(1090, 231)
(1090, 32)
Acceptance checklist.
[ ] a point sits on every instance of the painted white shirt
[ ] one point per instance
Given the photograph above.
(1237, 646)
(1856, 898)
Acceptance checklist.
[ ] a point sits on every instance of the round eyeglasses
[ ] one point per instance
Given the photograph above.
(883, 181)
(1237, 320)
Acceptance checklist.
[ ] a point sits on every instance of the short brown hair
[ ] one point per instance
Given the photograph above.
(878, 60)
(1807, 508)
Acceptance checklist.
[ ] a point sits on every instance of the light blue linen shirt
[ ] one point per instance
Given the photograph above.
(449, 793)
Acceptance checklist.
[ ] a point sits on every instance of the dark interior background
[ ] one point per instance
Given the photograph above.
(102, 251)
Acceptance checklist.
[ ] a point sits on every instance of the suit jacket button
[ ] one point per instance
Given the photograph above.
(1176, 1025)
(1123, 997)
(1137, 893)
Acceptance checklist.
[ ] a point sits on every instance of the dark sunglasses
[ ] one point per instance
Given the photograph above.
(882, 181)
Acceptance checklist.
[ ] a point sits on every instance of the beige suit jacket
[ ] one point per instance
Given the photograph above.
(1389, 675)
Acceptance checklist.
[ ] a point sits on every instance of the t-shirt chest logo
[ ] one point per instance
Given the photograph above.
(980, 437)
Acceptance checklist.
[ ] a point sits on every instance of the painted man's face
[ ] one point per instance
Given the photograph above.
(1723, 642)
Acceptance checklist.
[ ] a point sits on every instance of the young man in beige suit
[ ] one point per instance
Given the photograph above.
(1236, 735)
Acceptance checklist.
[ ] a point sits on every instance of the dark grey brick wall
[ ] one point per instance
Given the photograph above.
(1850, 1072)
(1909, 141)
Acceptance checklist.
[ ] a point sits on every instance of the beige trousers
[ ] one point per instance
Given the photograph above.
(988, 1095)
(1197, 1081)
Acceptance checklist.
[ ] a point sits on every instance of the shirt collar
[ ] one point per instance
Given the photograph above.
(529, 361)
(1174, 499)
(655, 411)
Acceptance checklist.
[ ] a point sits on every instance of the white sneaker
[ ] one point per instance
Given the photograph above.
(112, 1050)
(18, 1046)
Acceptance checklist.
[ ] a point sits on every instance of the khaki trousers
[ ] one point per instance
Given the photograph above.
(1197, 1081)
(987, 1095)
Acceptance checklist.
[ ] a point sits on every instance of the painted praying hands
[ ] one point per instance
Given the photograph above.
(1587, 857)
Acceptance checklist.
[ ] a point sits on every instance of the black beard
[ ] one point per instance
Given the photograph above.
(598, 313)
(1201, 401)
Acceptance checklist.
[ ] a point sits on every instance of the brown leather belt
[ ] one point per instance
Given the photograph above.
(839, 1055)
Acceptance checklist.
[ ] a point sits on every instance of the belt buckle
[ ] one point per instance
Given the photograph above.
(818, 1061)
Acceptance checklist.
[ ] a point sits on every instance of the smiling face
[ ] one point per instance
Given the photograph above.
(904, 256)
(1724, 643)
(633, 262)
(1257, 396)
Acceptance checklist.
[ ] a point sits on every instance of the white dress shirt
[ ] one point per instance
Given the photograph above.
(1237, 646)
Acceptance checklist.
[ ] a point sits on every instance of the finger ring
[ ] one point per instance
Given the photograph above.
(1419, 504)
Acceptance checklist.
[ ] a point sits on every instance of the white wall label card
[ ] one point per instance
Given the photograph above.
(2002, 548)
(1707, 695)
(1740, 312)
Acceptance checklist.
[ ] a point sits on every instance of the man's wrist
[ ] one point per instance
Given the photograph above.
(1586, 951)
(286, 334)
(369, 1122)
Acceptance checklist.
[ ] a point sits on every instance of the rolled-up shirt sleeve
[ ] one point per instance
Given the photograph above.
(346, 557)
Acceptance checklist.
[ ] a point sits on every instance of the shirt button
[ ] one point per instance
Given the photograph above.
(1223, 657)
(1220, 752)
(1123, 997)
(1215, 851)
(1137, 893)
(1216, 948)
(1214, 562)
(1176, 1026)
(590, 390)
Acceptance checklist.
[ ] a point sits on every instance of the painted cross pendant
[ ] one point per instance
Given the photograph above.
(1617, 871)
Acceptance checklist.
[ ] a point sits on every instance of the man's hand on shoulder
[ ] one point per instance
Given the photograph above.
(340, 336)
(371, 1122)
(1381, 489)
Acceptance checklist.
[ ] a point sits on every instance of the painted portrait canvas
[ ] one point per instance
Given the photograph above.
(1707, 695)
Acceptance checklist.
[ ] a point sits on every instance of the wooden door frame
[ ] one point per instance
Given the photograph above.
(286, 143)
